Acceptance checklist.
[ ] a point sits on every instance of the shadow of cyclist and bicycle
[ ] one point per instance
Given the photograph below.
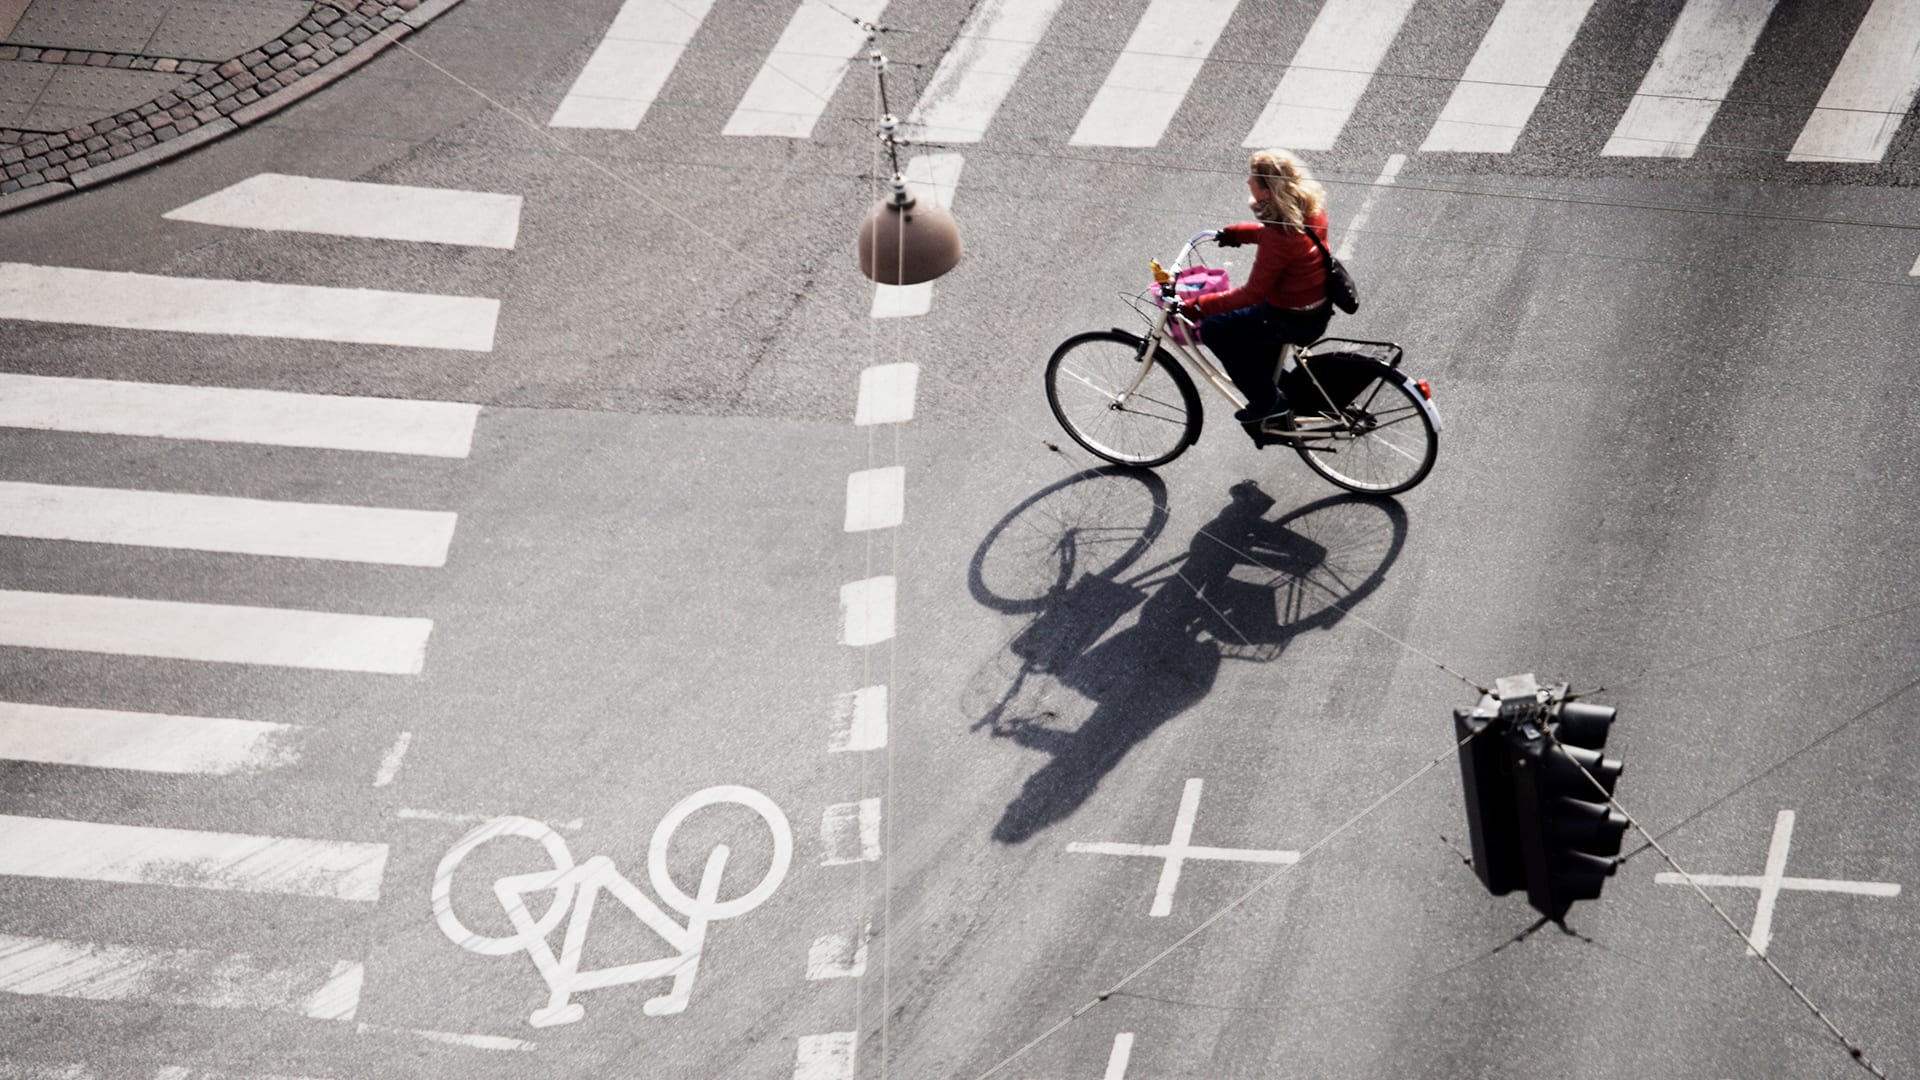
(1068, 558)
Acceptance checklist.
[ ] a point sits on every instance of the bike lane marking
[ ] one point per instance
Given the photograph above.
(576, 887)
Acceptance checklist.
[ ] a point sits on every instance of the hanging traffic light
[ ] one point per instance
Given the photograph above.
(1486, 774)
(1535, 816)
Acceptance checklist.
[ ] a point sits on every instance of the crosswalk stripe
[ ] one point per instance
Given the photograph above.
(147, 742)
(1867, 99)
(1507, 76)
(1696, 67)
(354, 208)
(792, 88)
(142, 855)
(1329, 74)
(1150, 79)
(217, 633)
(127, 301)
(977, 73)
(219, 523)
(217, 414)
(932, 177)
(95, 971)
(631, 64)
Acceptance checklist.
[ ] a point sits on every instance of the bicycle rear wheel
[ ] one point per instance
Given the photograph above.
(1381, 441)
(1085, 380)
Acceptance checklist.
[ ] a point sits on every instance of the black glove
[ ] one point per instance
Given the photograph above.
(1227, 239)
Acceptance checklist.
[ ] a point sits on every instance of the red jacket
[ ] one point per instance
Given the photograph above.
(1288, 270)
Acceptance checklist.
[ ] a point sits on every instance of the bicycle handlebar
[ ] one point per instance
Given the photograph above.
(1186, 249)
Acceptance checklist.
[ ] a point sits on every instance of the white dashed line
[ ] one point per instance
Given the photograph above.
(876, 498)
(1122, 1054)
(825, 1057)
(859, 721)
(886, 394)
(867, 607)
(850, 833)
(837, 956)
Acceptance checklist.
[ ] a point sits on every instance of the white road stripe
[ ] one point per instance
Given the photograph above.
(1870, 92)
(867, 611)
(448, 818)
(1787, 882)
(850, 833)
(859, 721)
(825, 1057)
(1329, 74)
(148, 742)
(311, 204)
(1507, 76)
(390, 765)
(799, 77)
(1388, 173)
(932, 177)
(1915, 272)
(1182, 837)
(631, 64)
(451, 1038)
(1122, 1054)
(1191, 851)
(1770, 876)
(215, 414)
(111, 298)
(1150, 79)
(139, 855)
(100, 972)
(886, 394)
(837, 956)
(217, 633)
(1696, 67)
(876, 498)
(980, 68)
(218, 523)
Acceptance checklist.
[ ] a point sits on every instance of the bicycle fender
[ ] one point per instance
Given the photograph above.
(1413, 387)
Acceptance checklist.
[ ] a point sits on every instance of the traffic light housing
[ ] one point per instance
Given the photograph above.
(1486, 774)
(1536, 818)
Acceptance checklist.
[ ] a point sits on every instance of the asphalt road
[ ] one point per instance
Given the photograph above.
(1677, 467)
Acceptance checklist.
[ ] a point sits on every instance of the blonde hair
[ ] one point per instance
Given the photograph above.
(1293, 194)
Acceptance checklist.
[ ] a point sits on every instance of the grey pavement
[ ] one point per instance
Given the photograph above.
(91, 90)
(1678, 465)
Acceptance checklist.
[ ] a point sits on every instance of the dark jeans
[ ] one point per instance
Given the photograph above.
(1248, 341)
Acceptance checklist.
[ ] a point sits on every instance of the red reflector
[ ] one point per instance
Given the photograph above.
(1425, 390)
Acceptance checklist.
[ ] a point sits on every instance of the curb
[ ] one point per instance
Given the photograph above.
(332, 41)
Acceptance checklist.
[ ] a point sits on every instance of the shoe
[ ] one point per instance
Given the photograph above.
(1261, 416)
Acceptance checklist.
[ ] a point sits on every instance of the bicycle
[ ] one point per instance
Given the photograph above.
(1359, 421)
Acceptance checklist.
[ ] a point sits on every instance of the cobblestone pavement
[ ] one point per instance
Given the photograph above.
(92, 91)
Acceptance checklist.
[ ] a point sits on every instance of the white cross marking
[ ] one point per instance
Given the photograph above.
(1177, 850)
(1772, 880)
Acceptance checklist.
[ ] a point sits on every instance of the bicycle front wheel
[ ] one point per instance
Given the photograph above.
(1380, 442)
(1088, 381)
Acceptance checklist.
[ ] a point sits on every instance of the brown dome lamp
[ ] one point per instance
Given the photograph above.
(904, 241)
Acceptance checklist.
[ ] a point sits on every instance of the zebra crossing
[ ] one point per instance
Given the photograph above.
(76, 733)
(1494, 98)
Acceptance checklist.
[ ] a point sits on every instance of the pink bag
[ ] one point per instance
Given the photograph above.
(1193, 282)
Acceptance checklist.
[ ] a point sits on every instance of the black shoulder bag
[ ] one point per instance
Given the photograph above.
(1340, 287)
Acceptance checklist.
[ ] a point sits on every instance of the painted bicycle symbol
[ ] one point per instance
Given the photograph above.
(576, 887)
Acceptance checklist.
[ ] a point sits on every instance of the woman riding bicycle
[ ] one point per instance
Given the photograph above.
(1284, 299)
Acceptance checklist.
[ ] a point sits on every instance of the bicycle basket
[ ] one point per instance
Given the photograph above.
(1190, 284)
